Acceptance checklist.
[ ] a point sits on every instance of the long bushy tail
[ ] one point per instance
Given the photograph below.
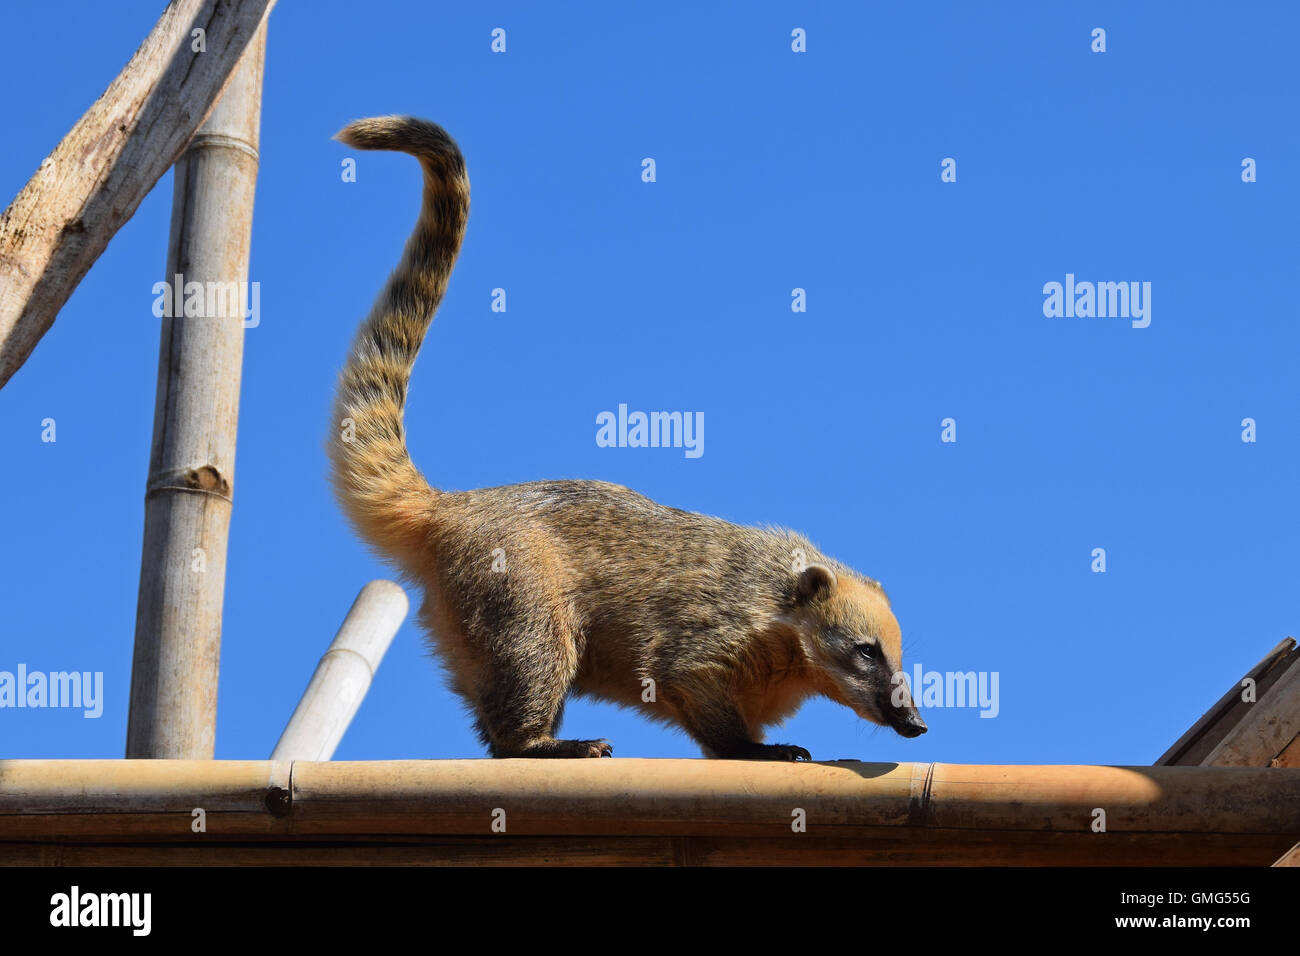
(387, 499)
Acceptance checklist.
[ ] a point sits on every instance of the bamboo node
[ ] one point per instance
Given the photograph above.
(207, 478)
(219, 140)
(921, 791)
(278, 802)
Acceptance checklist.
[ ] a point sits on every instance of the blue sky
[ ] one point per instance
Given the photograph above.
(775, 171)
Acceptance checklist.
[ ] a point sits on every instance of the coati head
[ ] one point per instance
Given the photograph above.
(850, 636)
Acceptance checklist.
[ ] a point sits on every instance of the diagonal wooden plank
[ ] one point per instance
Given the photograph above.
(1215, 724)
(1268, 727)
(95, 179)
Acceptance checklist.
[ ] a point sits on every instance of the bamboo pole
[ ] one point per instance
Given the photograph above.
(633, 797)
(94, 180)
(191, 465)
(639, 812)
(343, 675)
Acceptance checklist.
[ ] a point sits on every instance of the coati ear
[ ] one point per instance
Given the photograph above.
(815, 581)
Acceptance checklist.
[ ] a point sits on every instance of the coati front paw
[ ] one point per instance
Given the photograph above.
(593, 748)
(781, 752)
(753, 751)
(557, 748)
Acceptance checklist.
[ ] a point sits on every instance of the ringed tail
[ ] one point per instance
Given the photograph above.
(379, 488)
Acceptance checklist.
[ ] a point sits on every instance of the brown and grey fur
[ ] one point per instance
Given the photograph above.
(542, 590)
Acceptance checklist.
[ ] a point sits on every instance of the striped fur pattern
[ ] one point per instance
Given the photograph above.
(386, 498)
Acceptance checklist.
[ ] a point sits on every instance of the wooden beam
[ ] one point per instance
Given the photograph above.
(884, 848)
(188, 495)
(638, 811)
(343, 675)
(1290, 757)
(92, 183)
(1267, 729)
(1290, 858)
(1216, 724)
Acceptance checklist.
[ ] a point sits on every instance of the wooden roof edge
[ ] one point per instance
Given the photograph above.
(1218, 723)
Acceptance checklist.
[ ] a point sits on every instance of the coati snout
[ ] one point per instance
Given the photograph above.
(537, 592)
(851, 633)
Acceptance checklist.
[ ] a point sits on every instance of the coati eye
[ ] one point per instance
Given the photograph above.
(868, 651)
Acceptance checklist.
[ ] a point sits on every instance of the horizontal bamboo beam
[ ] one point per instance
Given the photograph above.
(638, 811)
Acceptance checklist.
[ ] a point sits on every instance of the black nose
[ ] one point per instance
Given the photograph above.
(912, 725)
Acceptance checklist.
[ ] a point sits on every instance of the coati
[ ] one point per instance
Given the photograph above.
(541, 590)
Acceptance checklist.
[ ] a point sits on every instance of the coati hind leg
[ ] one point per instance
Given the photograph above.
(717, 726)
(519, 711)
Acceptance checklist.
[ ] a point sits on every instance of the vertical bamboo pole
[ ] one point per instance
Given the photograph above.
(344, 674)
(191, 465)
